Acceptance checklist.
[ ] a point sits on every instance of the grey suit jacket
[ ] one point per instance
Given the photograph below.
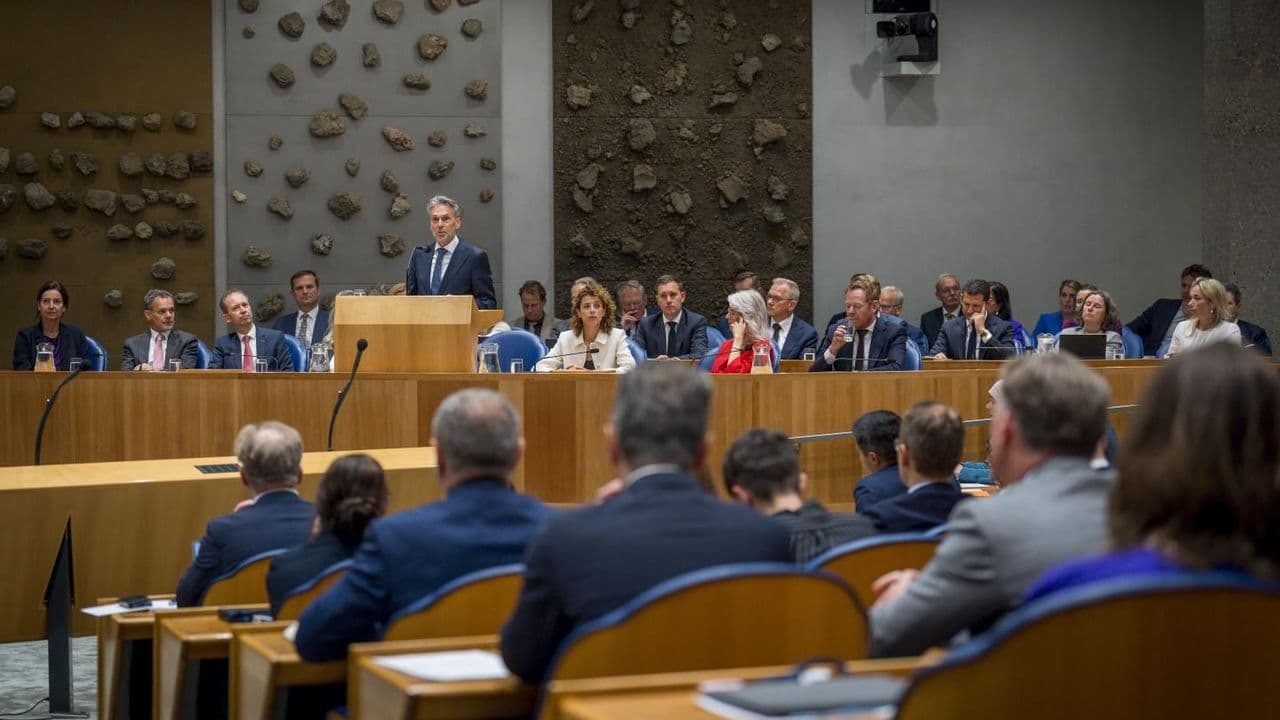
(994, 550)
(178, 346)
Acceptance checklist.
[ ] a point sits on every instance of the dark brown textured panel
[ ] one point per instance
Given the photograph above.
(629, 233)
(137, 57)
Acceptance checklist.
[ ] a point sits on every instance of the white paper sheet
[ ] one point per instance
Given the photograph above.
(448, 666)
(118, 609)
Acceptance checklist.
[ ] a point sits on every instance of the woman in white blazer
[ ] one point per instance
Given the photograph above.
(1208, 321)
(590, 328)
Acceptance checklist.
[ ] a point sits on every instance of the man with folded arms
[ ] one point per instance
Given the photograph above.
(1049, 419)
(481, 523)
(155, 348)
(662, 524)
(270, 456)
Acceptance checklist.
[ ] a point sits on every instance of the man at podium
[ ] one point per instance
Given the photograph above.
(450, 266)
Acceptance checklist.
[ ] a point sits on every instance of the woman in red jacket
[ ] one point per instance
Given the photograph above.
(748, 320)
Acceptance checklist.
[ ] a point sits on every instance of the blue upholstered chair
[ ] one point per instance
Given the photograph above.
(520, 344)
(637, 351)
(97, 360)
(202, 355)
(245, 583)
(297, 599)
(1132, 344)
(913, 356)
(297, 352)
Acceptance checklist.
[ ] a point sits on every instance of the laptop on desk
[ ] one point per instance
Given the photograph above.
(1085, 347)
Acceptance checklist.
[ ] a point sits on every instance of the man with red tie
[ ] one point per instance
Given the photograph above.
(162, 343)
(247, 342)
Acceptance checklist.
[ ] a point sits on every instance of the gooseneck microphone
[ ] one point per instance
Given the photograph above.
(361, 346)
(53, 398)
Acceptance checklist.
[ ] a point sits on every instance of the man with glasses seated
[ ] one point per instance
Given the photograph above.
(791, 334)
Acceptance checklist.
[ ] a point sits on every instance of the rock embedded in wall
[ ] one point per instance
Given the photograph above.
(292, 25)
(152, 122)
(388, 12)
(143, 231)
(326, 123)
(186, 298)
(417, 81)
(323, 55)
(130, 164)
(344, 205)
(400, 206)
(113, 298)
(297, 177)
(56, 160)
(104, 201)
(353, 105)
(390, 245)
(7, 197)
(61, 231)
(75, 120)
(164, 269)
(32, 248)
(439, 169)
(132, 203)
(176, 166)
(25, 164)
(321, 244)
(389, 182)
(472, 27)
(477, 90)
(184, 120)
(126, 122)
(255, 256)
(370, 56)
(352, 167)
(432, 46)
(50, 120)
(69, 200)
(155, 164)
(7, 97)
(270, 306)
(282, 74)
(279, 205)
(119, 232)
(399, 140)
(99, 121)
(192, 230)
(334, 13)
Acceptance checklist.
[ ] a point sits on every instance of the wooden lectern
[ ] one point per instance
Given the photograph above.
(418, 333)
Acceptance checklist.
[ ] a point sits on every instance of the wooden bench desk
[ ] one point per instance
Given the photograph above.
(183, 637)
(264, 665)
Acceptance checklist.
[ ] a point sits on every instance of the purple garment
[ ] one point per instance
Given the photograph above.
(1125, 563)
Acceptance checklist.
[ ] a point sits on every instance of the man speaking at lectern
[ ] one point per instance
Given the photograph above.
(450, 266)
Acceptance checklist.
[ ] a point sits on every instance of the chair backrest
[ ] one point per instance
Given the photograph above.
(300, 597)
(937, 531)
(913, 356)
(714, 338)
(1132, 343)
(474, 604)
(297, 352)
(517, 344)
(246, 583)
(637, 351)
(860, 562)
(97, 359)
(740, 615)
(202, 355)
(1168, 646)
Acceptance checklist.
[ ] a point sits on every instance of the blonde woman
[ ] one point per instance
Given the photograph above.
(1207, 323)
(590, 328)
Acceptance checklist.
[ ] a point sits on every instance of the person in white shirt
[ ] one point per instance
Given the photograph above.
(1207, 323)
(590, 328)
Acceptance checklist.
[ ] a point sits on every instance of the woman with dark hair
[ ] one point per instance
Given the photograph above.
(1053, 322)
(1098, 314)
(1198, 484)
(67, 341)
(999, 304)
(352, 494)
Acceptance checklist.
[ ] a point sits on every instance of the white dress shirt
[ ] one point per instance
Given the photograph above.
(570, 349)
(852, 339)
(444, 262)
(782, 334)
(313, 314)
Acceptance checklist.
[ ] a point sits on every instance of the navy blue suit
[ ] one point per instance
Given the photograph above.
(480, 524)
(303, 564)
(227, 351)
(877, 487)
(288, 324)
(888, 348)
(278, 520)
(690, 341)
(589, 562)
(931, 324)
(1254, 335)
(71, 343)
(1153, 324)
(800, 337)
(926, 508)
(468, 274)
(997, 347)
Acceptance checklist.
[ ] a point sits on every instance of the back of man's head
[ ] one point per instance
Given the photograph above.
(476, 432)
(660, 415)
(1058, 404)
(933, 434)
(877, 431)
(763, 463)
(270, 455)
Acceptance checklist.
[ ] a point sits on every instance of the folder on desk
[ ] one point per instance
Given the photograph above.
(786, 697)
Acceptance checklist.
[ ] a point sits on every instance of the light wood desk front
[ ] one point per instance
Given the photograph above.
(133, 523)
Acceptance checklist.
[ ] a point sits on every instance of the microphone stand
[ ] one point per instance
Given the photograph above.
(48, 407)
(361, 344)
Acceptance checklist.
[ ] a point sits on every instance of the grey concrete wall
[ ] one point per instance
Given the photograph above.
(1242, 151)
(1060, 140)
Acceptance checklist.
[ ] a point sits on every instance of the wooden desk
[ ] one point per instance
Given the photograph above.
(264, 664)
(133, 523)
(120, 639)
(183, 637)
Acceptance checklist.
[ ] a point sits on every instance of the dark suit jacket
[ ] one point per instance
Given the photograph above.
(480, 524)
(1153, 323)
(1254, 335)
(801, 336)
(589, 562)
(690, 339)
(888, 348)
(877, 487)
(288, 324)
(302, 564)
(931, 324)
(951, 339)
(278, 520)
(926, 508)
(227, 351)
(815, 530)
(178, 346)
(71, 343)
(468, 274)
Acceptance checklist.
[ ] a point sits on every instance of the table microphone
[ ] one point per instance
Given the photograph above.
(49, 401)
(361, 346)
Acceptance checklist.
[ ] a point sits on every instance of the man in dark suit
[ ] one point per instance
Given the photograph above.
(631, 306)
(947, 290)
(891, 301)
(930, 445)
(1251, 336)
(864, 341)
(153, 349)
(791, 334)
(270, 456)
(975, 335)
(761, 471)
(875, 434)
(661, 524)
(1155, 325)
(450, 266)
(674, 332)
(481, 523)
(311, 322)
(246, 342)
(745, 280)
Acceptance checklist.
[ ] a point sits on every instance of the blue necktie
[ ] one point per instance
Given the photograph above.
(437, 271)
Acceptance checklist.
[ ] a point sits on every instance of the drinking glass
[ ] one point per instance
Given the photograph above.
(488, 358)
(809, 354)
(1044, 343)
(320, 357)
(761, 363)
(44, 357)
(175, 365)
(75, 364)
(517, 365)
(260, 365)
